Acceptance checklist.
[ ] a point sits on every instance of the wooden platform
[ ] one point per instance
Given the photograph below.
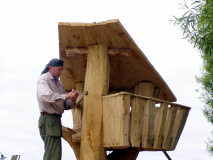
(128, 64)
(145, 123)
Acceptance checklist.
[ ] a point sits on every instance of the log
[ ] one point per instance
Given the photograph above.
(76, 137)
(97, 84)
(67, 136)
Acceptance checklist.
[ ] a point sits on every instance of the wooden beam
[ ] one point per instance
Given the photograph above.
(79, 52)
(67, 136)
(97, 84)
(148, 98)
(76, 137)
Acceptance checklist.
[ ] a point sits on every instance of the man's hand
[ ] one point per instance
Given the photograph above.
(72, 95)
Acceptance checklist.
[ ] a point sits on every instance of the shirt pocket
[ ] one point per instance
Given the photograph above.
(54, 126)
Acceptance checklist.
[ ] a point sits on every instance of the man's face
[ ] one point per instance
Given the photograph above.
(56, 71)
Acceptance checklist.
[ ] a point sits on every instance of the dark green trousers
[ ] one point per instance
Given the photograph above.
(51, 133)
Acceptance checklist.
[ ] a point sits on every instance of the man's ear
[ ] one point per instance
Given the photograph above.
(50, 68)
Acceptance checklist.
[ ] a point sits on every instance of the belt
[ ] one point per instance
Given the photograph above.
(45, 113)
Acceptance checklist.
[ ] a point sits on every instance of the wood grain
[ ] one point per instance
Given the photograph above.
(125, 73)
(96, 83)
(170, 119)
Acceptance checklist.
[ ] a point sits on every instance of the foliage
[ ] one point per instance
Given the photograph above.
(197, 26)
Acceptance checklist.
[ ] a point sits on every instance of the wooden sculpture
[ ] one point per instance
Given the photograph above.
(128, 107)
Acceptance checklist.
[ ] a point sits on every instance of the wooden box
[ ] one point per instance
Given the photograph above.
(144, 123)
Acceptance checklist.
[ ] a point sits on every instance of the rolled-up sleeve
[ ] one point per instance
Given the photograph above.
(46, 95)
(69, 104)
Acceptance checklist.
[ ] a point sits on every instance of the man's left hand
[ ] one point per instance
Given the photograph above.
(74, 95)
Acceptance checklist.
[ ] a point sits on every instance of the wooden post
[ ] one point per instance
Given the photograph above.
(78, 111)
(148, 108)
(77, 123)
(97, 84)
(67, 136)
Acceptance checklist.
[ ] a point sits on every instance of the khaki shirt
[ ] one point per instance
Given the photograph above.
(51, 97)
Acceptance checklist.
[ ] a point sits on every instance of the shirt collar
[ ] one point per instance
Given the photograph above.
(50, 76)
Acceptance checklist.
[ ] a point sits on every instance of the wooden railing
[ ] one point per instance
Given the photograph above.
(144, 123)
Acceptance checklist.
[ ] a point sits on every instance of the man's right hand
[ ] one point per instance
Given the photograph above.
(72, 95)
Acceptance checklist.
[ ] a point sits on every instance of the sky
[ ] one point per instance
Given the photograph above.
(29, 40)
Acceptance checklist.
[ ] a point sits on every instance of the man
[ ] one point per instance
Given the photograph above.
(52, 101)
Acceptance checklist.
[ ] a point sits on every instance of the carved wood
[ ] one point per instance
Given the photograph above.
(78, 52)
(97, 84)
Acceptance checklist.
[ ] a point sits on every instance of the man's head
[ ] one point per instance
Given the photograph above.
(55, 71)
(55, 67)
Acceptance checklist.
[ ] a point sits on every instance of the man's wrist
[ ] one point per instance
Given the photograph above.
(73, 100)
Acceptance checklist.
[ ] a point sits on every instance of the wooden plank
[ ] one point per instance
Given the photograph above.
(170, 119)
(122, 74)
(108, 120)
(136, 121)
(156, 111)
(80, 35)
(160, 120)
(93, 36)
(79, 52)
(96, 84)
(65, 37)
(148, 124)
(119, 34)
(147, 112)
(125, 118)
(105, 35)
(116, 117)
(148, 98)
(178, 126)
(115, 36)
(76, 137)
(125, 41)
(121, 124)
(76, 52)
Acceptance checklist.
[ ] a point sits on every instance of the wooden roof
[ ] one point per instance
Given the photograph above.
(125, 71)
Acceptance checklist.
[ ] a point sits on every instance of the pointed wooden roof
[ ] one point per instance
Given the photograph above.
(125, 70)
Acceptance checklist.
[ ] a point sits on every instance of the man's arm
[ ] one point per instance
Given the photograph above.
(46, 95)
(70, 103)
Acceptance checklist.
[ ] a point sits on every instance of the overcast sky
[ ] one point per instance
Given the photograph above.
(29, 39)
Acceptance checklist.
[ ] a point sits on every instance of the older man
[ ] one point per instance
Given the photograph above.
(52, 101)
